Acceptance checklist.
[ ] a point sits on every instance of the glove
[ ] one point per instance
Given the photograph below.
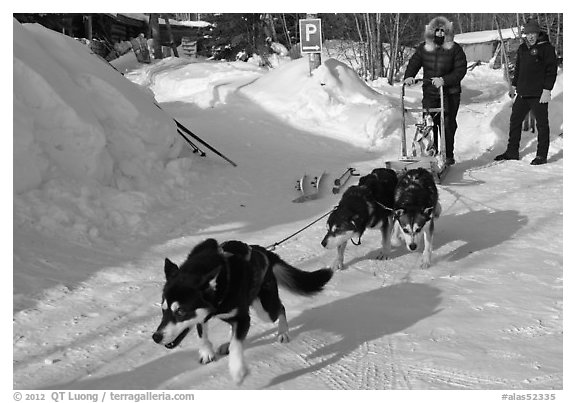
(545, 97)
(409, 81)
(438, 82)
(512, 92)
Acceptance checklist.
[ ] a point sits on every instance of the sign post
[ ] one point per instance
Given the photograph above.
(311, 40)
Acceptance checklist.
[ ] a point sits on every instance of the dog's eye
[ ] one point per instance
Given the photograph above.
(405, 231)
(180, 313)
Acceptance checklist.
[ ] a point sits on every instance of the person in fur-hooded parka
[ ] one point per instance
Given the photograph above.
(444, 64)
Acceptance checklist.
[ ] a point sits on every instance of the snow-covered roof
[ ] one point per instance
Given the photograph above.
(485, 36)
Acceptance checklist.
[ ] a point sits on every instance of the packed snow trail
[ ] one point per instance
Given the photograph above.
(379, 324)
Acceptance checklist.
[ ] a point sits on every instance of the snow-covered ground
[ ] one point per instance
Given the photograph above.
(105, 189)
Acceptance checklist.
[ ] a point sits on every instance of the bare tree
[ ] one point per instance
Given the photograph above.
(394, 50)
(362, 49)
(379, 53)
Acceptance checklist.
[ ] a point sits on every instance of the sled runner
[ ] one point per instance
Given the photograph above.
(424, 153)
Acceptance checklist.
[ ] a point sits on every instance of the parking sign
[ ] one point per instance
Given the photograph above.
(310, 35)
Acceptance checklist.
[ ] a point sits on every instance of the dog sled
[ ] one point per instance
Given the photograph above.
(423, 153)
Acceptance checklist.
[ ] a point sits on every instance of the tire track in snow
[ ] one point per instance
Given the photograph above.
(72, 333)
(456, 379)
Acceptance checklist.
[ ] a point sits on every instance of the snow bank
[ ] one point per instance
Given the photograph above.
(334, 101)
(204, 84)
(78, 117)
(91, 149)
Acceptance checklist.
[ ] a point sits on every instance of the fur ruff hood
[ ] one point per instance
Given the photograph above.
(439, 22)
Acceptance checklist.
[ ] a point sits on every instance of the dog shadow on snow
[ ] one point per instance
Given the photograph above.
(355, 321)
(474, 231)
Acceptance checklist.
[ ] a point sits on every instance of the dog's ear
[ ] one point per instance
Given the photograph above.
(238, 248)
(428, 212)
(170, 269)
(209, 244)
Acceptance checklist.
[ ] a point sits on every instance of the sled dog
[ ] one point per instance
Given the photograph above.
(223, 281)
(416, 206)
(366, 205)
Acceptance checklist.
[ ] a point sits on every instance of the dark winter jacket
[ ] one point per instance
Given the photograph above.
(447, 60)
(536, 68)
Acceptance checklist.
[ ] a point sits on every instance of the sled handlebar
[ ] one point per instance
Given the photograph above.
(419, 80)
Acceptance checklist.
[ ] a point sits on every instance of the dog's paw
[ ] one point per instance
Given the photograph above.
(238, 374)
(283, 337)
(207, 356)
(224, 349)
(337, 265)
(424, 264)
(382, 255)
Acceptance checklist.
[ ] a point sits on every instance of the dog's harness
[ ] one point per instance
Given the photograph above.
(356, 227)
(218, 301)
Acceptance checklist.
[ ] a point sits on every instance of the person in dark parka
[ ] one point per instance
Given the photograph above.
(444, 64)
(534, 77)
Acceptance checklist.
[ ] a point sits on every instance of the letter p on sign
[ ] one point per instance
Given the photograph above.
(310, 30)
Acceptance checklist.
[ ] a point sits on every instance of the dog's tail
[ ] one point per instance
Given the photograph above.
(298, 281)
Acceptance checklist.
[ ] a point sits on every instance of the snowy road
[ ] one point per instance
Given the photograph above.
(89, 251)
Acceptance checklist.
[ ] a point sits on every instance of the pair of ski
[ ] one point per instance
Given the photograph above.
(312, 188)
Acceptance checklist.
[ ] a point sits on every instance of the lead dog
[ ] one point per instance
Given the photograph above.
(416, 206)
(223, 281)
(366, 205)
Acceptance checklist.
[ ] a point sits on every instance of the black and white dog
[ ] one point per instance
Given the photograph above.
(416, 206)
(223, 281)
(366, 205)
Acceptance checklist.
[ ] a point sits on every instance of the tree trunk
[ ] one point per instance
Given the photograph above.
(270, 29)
(363, 66)
(459, 23)
(394, 50)
(370, 45)
(286, 32)
(88, 27)
(558, 32)
(504, 53)
(379, 51)
(171, 36)
(155, 27)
